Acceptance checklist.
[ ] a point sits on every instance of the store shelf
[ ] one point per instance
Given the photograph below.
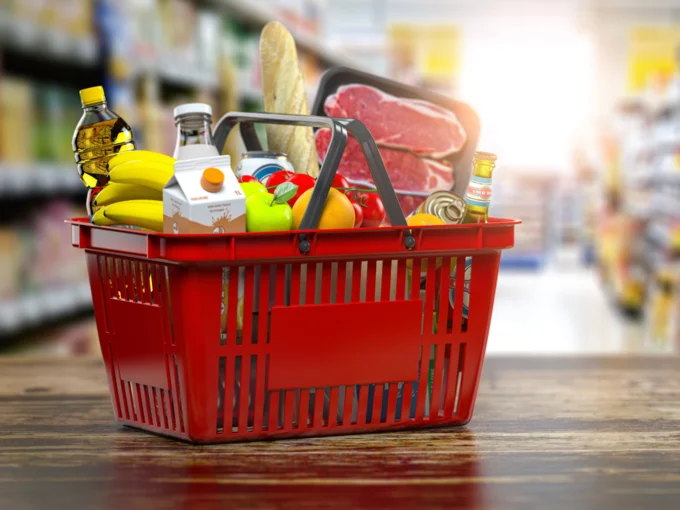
(257, 15)
(18, 180)
(47, 43)
(174, 71)
(35, 308)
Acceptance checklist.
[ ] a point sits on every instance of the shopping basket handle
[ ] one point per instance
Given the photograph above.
(339, 128)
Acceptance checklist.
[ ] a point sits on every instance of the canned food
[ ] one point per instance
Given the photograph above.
(445, 205)
(261, 164)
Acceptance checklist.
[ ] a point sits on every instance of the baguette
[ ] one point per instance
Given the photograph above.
(283, 91)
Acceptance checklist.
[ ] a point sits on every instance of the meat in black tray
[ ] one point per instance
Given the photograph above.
(427, 141)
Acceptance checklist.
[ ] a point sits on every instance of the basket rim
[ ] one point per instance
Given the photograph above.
(492, 223)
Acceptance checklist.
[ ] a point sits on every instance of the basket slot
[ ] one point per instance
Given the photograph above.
(172, 390)
(263, 308)
(431, 281)
(319, 405)
(106, 292)
(248, 275)
(391, 411)
(341, 283)
(296, 284)
(421, 390)
(132, 280)
(132, 398)
(152, 405)
(176, 400)
(443, 354)
(307, 285)
(146, 404)
(303, 410)
(402, 288)
(374, 404)
(333, 284)
(139, 404)
(442, 298)
(459, 378)
(221, 373)
(244, 396)
(324, 279)
(232, 305)
(457, 297)
(333, 408)
(159, 404)
(115, 378)
(235, 402)
(355, 281)
(145, 280)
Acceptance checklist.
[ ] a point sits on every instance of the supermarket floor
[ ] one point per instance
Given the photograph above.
(562, 310)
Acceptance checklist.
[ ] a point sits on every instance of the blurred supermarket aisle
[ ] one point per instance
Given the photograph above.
(564, 311)
(586, 125)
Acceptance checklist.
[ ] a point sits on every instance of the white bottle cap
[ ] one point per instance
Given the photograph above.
(189, 108)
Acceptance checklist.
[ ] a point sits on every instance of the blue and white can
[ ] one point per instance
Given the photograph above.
(261, 164)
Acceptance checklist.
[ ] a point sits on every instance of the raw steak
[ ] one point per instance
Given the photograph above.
(408, 172)
(419, 126)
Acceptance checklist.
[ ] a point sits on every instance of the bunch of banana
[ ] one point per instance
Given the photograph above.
(134, 194)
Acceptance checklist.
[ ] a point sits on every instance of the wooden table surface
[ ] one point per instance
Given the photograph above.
(548, 433)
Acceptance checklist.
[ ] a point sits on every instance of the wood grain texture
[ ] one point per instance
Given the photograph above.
(548, 433)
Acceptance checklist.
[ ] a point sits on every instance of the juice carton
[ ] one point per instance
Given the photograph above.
(204, 197)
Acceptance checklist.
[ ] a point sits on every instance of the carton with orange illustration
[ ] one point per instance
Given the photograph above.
(204, 197)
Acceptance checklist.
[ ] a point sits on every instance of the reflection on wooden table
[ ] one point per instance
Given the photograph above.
(557, 433)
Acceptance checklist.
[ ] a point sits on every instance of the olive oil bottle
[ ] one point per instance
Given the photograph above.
(99, 135)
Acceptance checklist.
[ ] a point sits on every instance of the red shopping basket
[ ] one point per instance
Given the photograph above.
(234, 337)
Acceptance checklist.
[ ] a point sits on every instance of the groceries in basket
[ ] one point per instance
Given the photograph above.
(203, 197)
(394, 323)
(194, 132)
(99, 136)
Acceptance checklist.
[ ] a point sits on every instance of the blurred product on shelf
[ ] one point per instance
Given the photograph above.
(661, 304)
(10, 262)
(48, 256)
(75, 339)
(42, 277)
(529, 196)
(17, 120)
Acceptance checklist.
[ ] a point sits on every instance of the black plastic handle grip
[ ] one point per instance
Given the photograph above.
(339, 128)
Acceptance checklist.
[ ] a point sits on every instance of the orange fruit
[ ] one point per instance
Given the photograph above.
(423, 219)
(419, 220)
(338, 211)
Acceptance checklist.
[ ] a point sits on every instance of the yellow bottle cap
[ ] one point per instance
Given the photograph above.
(91, 96)
(212, 179)
(485, 156)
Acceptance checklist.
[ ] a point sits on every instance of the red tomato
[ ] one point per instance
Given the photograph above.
(358, 214)
(248, 178)
(374, 210)
(277, 178)
(340, 182)
(303, 181)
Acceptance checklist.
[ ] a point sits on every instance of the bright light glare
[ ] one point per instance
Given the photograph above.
(532, 95)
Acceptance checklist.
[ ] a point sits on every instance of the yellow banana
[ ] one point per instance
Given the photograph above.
(115, 192)
(98, 218)
(140, 213)
(141, 156)
(153, 175)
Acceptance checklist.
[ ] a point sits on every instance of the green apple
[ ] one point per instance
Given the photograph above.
(253, 188)
(266, 212)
